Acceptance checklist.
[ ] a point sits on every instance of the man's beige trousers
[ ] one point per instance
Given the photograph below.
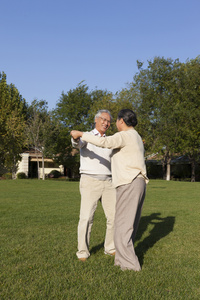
(92, 190)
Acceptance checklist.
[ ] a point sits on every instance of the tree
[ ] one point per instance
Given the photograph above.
(190, 95)
(73, 108)
(41, 131)
(114, 103)
(128, 98)
(160, 107)
(13, 110)
(73, 111)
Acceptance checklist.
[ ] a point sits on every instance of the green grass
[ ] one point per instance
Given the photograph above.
(39, 241)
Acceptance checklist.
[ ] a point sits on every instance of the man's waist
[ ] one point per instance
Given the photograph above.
(98, 176)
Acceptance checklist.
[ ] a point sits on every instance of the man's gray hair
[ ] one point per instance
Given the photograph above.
(101, 111)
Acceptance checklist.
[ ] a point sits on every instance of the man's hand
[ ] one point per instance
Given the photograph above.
(76, 134)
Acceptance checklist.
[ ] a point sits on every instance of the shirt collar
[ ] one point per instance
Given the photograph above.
(96, 132)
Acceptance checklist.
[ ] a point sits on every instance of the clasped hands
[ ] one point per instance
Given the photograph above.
(76, 134)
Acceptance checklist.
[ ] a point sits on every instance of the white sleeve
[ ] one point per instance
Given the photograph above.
(78, 144)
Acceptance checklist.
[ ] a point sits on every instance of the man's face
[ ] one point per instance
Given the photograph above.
(102, 123)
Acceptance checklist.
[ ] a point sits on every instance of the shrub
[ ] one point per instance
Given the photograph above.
(154, 171)
(181, 171)
(21, 175)
(54, 174)
(7, 176)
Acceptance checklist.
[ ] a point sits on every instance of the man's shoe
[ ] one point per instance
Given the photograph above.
(82, 259)
(110, 254)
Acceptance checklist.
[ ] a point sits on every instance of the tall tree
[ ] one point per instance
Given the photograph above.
(160, 107)
(13, 110)
(73, 107)
(114, 103)
(41, 131)
(190, 95)
(73, 112)
(128, 98)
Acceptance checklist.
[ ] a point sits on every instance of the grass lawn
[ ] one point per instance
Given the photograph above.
(39, 241)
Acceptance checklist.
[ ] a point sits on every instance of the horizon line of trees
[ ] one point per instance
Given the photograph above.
(165, 96)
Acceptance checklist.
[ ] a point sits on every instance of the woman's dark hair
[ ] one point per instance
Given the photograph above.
(128, 116)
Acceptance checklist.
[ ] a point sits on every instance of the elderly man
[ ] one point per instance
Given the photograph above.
(95, 185)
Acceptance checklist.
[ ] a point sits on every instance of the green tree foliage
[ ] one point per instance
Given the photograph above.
(113, 103)
(128, 98)
(12, 124)
(190, 125)
(73, 111)
(168, 108)
(160, 107)
(73, 108)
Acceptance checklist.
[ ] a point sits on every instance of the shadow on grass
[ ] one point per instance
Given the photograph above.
(162, 227)
(97, 248)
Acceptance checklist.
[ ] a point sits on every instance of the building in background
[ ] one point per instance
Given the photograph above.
(30, 161)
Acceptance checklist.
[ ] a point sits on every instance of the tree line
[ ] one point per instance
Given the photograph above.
(165, 96)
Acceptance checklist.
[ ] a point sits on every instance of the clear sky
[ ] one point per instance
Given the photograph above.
(47, 47)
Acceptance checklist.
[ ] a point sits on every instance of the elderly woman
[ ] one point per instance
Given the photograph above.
(129, 178)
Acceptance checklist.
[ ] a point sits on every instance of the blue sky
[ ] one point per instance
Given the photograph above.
(50, 46)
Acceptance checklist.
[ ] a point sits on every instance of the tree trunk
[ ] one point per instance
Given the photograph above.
(38, 168)
(164, 169)
(14, 169)
(192, 170)
(168, 171)
(43, 176)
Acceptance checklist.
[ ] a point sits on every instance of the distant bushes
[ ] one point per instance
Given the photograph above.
(54, 174)
(181, 172)
(154, 171)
